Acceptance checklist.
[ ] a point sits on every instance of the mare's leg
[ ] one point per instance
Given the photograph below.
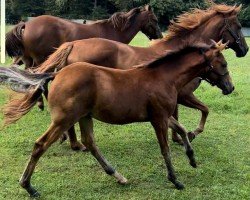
(86, 126)
(174, 124)
(75, 145)
(40, 102)
(161, 130)
(192, 102)
(175, 136)
(28, 62)
(41, 145)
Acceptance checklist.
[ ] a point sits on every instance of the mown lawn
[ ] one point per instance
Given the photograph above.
(222, 152)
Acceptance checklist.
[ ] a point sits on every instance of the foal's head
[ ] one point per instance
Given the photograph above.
(149, 24)
(217, 73)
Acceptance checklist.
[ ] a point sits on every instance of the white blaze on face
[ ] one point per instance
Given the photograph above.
(2, 31)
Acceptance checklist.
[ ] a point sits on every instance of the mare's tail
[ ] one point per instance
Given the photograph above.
(13, 39)
(57, 60)
(22, 82)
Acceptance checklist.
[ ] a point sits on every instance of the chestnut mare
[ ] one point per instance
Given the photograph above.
(147, 92)
(35, 40)
(196, 25)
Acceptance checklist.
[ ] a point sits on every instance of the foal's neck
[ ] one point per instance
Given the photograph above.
(186, 68)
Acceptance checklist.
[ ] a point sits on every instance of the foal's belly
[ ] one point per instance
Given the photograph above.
(120, 109)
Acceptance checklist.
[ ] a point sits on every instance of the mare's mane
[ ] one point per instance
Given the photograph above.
(122, 20)
(185, 23)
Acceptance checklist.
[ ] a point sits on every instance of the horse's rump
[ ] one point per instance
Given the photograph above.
(14, 45)
(57, 60)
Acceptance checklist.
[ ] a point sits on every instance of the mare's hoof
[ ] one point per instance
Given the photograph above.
(177, 140)
(63, 138)
(78, 147)
(191, 136)
(40, 106)
(179, 186)
(193, 164)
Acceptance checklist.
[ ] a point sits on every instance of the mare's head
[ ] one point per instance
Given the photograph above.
(218, 22)
(141, 18)
(232, 32)
(149, 24)
(217, 71)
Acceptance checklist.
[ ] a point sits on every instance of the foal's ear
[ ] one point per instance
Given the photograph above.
(148, 7)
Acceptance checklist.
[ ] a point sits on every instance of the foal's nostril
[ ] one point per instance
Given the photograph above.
(233, 88)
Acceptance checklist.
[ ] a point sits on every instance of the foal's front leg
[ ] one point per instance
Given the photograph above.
(175, 125)
(175, 136)
(161, 130)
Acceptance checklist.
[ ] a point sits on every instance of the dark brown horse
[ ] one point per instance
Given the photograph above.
(201, 25)
(35, 40)
(83, 91)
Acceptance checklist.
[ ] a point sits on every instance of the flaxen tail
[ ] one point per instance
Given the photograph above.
(13, 39)
(57, 60)
(31, 85)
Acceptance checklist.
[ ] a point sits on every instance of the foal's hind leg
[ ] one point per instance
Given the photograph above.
(41, 145)
(86, 126)
(75, 145)
(175, 136)
(174, 124)
(192, 102)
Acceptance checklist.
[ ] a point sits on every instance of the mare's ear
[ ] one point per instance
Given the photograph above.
(148, 7)
(238, 9)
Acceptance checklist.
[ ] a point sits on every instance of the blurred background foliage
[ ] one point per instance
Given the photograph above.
(165, 10)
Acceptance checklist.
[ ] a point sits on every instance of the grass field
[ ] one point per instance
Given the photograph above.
(222, 152)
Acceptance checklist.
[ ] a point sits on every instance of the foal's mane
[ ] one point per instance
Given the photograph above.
(122, 20)
(188, 21)
(172, 54)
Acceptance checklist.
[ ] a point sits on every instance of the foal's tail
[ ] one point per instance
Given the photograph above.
(31, 85)
(57, 60)
(13, 39)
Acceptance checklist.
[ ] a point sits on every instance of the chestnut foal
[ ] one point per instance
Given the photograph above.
(145, 93)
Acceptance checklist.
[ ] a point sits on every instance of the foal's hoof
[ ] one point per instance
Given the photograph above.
(35, 195)
(191, 136)
(123, 181)
(193, 163)
(179, 186)
(32, 192)
(63, 138)
(78, 147)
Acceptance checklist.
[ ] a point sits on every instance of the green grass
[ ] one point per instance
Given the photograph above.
(222, 152)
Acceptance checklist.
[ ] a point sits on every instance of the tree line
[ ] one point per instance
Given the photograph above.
(17, 10)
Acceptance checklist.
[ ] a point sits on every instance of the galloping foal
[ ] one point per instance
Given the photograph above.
(84, 91)
(217, 22)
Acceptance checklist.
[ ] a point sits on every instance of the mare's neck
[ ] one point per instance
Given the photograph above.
(212, 29)
(108, 31)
